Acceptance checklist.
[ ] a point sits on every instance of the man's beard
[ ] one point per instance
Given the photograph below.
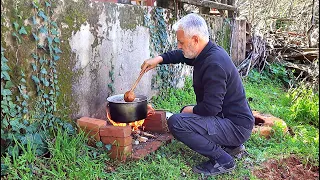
(190, 53)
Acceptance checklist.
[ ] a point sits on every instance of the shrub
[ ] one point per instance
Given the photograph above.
(305, 106)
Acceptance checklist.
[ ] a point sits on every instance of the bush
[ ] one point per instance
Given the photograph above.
(305, 107)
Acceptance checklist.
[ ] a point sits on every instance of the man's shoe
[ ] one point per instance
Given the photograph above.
(211, 168)
(237, 152)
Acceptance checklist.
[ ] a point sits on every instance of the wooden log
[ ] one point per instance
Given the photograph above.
(210, 4)
(231, 13)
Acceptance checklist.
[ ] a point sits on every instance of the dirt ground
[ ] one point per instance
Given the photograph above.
(288, 168)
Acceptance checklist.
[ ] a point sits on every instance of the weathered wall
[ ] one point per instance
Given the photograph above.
(103, 46)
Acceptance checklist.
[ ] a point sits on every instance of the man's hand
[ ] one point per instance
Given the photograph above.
(150, 110)
(151, 63)
(187, 109)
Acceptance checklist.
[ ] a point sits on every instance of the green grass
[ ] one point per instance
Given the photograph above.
(71, 158)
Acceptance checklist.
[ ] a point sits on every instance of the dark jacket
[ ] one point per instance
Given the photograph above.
(217, 85)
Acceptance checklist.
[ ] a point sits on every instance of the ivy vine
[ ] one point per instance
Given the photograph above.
(167, 76)
(21, 120)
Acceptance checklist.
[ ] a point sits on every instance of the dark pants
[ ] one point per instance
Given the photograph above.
(205, 135)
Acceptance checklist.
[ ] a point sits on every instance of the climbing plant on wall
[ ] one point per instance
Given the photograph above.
(29, 96)
(167, 75)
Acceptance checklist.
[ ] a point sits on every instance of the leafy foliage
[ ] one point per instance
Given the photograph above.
(305, 106)
(24, 118)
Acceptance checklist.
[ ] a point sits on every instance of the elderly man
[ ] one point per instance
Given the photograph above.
(221, 121)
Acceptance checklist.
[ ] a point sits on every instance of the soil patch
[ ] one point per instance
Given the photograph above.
(287, 168)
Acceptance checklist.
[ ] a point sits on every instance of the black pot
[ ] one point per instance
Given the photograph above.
(126, 112)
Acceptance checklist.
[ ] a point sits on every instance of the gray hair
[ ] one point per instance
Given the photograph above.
(192, 24)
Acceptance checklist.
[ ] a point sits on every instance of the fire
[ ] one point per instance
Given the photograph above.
(135, 125)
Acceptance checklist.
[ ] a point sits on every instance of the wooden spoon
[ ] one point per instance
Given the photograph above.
(129, 96)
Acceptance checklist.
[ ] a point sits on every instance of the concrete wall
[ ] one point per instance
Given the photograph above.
(103, 46)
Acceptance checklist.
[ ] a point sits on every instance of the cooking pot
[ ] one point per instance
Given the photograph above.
(126, 112)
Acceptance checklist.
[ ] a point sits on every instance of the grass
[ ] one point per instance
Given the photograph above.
(71, 158)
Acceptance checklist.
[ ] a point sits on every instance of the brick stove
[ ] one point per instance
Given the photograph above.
(120, 137)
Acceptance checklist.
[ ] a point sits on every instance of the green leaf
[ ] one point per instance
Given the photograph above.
(22, 30)
(35, 79)
(41, 14)
(56, 58)
(54, 31)
(45, 82)
(35, 37)
(9, 85)
(108, 147)
(56, 39)
(4, 66)
(25, 96)
(57, 50)
(34, 20)
(22, 73)
(99, 144)
(4, 167)
(42, 61)
(44, 30)
(23, 80)
(34, 56)
(43, 71)
(5, 110)
(25, 110)
(31, 129)
(34, 67)
(22, 86)
(47, 4)
(4, 59)
(24, 103)
(38, 139)
(6, 92)
(45, 96)
(54, 24)
(16, 26)
(49, 40)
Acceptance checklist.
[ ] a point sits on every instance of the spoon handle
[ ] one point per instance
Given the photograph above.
(135, 84)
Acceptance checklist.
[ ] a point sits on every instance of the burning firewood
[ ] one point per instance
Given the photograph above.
(142, 139)
(143, 133)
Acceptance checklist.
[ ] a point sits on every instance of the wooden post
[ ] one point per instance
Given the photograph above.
(231, 12)
(168, 4)
(238, 42)
(222, 12)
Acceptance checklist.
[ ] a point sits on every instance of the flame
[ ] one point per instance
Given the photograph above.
(135, 125)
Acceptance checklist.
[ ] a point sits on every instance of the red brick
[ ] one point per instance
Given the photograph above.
(115, 131)
(120, 152)
(262, 130)
(118, 141)
(152, 146)
(268, 119)
(264, 123)
(156, 122)
(91, 123)
(149, 148)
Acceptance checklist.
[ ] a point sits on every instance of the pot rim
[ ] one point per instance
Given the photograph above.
(119, 99)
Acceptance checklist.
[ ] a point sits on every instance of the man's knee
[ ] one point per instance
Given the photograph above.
(174, 121)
